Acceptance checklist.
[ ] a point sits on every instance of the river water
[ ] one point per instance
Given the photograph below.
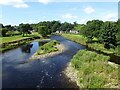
(40, 73)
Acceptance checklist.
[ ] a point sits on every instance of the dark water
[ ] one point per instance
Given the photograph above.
(41, 73)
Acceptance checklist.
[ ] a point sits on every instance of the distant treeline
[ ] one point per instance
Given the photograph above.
(107, 33)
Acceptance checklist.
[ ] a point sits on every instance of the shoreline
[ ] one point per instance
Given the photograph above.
(71, 73)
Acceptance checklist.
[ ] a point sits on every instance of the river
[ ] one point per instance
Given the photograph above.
(40, 73)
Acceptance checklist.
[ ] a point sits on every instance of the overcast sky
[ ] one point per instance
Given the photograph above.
(15, 12)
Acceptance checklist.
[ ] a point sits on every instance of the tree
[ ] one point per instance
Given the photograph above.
(43, 30)
(66, 26)
(25, 28)
(79, 28)
(3, 31)
(92, 29)
(56, 26)
(108, 35)
(118, 33)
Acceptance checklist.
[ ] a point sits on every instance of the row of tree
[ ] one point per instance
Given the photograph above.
(43, 28)
(105, 32)
(48, 27)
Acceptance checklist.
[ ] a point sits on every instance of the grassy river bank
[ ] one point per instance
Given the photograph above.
(90, 69)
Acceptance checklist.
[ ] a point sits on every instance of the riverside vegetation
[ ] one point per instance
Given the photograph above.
(97, 46)
(48, 47)
(93, 70)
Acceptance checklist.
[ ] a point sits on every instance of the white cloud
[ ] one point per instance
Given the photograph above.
(110, 17)
(69, 16)
(89, 10)
(14, 3)
(45, 1)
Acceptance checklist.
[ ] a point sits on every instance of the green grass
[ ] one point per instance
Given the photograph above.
(94, 70)
(17, 37)
(48, 47)
(97, 46)
(76, 38)
(12, 38)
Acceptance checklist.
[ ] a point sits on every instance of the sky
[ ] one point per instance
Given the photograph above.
(15, 12)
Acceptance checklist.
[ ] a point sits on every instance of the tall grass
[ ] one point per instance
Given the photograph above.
(94, 70)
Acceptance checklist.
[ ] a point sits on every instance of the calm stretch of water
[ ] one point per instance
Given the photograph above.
(41, 73)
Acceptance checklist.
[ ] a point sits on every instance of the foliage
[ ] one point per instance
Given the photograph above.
(3, 31)
(97, 46)
(105, 32)
(9, 33)
(108, 35)
(43, 30)
(25, 28)
(92, 29)
(79, 27)
(66, 26)
(48, 47)
(94, 70)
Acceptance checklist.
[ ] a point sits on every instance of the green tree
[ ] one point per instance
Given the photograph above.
(3, 31)
(108, 35)
(25, 28)
(56, 26)
(92, 29)
(43, 30)
(79, 28)
(66, 26)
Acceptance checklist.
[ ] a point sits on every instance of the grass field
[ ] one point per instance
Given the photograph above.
(17, 37)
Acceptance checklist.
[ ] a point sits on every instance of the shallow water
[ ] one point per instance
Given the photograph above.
(40, 73)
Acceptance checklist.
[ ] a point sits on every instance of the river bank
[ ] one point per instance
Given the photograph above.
(91, 70)
(94, 67)
(71, 73)
(95, 47)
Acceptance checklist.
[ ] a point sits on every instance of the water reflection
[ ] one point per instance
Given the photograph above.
(26, 48)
